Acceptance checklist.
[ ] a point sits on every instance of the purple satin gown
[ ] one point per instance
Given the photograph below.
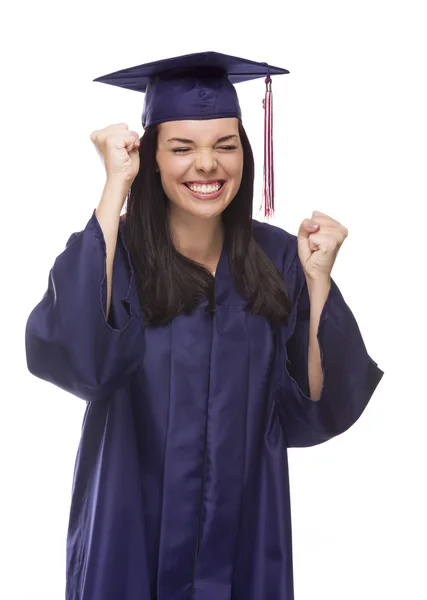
(181, 484)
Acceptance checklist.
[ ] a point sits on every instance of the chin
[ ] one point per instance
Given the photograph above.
(202, 209)
(205, 212)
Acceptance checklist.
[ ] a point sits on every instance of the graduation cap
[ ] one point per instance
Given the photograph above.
(198, 87)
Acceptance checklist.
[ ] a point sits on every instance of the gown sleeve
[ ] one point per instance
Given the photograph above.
(68, 340)
(350, 375)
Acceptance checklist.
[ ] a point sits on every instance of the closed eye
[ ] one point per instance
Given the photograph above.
(183, 150)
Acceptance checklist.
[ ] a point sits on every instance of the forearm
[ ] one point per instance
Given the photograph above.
(318, 292)
(108, 216)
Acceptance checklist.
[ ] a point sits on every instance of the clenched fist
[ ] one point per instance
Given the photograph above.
(119, 151)
(319, 240)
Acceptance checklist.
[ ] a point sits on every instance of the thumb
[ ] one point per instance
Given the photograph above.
(307, 227)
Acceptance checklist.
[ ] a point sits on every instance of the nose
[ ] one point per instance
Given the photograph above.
(206, 161)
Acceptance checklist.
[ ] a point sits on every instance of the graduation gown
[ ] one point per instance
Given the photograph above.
(181, 486)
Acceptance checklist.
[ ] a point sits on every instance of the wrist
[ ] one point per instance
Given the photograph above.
(320, 286)
(118, 185)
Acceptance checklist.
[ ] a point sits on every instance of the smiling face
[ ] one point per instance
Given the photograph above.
(201, 165)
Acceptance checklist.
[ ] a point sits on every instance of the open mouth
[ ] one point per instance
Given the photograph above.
(206, 192)
(205, 189)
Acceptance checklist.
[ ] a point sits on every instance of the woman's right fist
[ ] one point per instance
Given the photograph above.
(119, 151)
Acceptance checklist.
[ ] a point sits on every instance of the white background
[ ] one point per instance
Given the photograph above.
(350, 140)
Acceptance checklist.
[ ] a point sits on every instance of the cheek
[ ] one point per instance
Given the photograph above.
(169, 175)
(235, 165)
(172, 170)
(236, 172)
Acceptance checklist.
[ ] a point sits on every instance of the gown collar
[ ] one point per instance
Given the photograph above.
(225, 293)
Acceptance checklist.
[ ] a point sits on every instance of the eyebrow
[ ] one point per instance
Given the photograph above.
(219, 140)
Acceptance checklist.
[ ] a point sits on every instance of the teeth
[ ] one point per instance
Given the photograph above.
(205, 189)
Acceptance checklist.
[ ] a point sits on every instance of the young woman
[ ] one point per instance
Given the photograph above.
(205, 344)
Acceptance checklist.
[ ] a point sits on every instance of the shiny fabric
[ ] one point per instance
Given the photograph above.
(194, 86)
(181, 484)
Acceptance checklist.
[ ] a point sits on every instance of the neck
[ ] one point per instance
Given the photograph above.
(198, 239)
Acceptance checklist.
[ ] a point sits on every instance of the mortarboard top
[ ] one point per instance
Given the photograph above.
(198, 87)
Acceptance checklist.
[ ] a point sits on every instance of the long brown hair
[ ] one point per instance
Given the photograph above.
(169, 283)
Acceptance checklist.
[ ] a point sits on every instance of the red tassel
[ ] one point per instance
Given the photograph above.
(268, 182)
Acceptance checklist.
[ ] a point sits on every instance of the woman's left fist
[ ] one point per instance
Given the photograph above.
(318, 246)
